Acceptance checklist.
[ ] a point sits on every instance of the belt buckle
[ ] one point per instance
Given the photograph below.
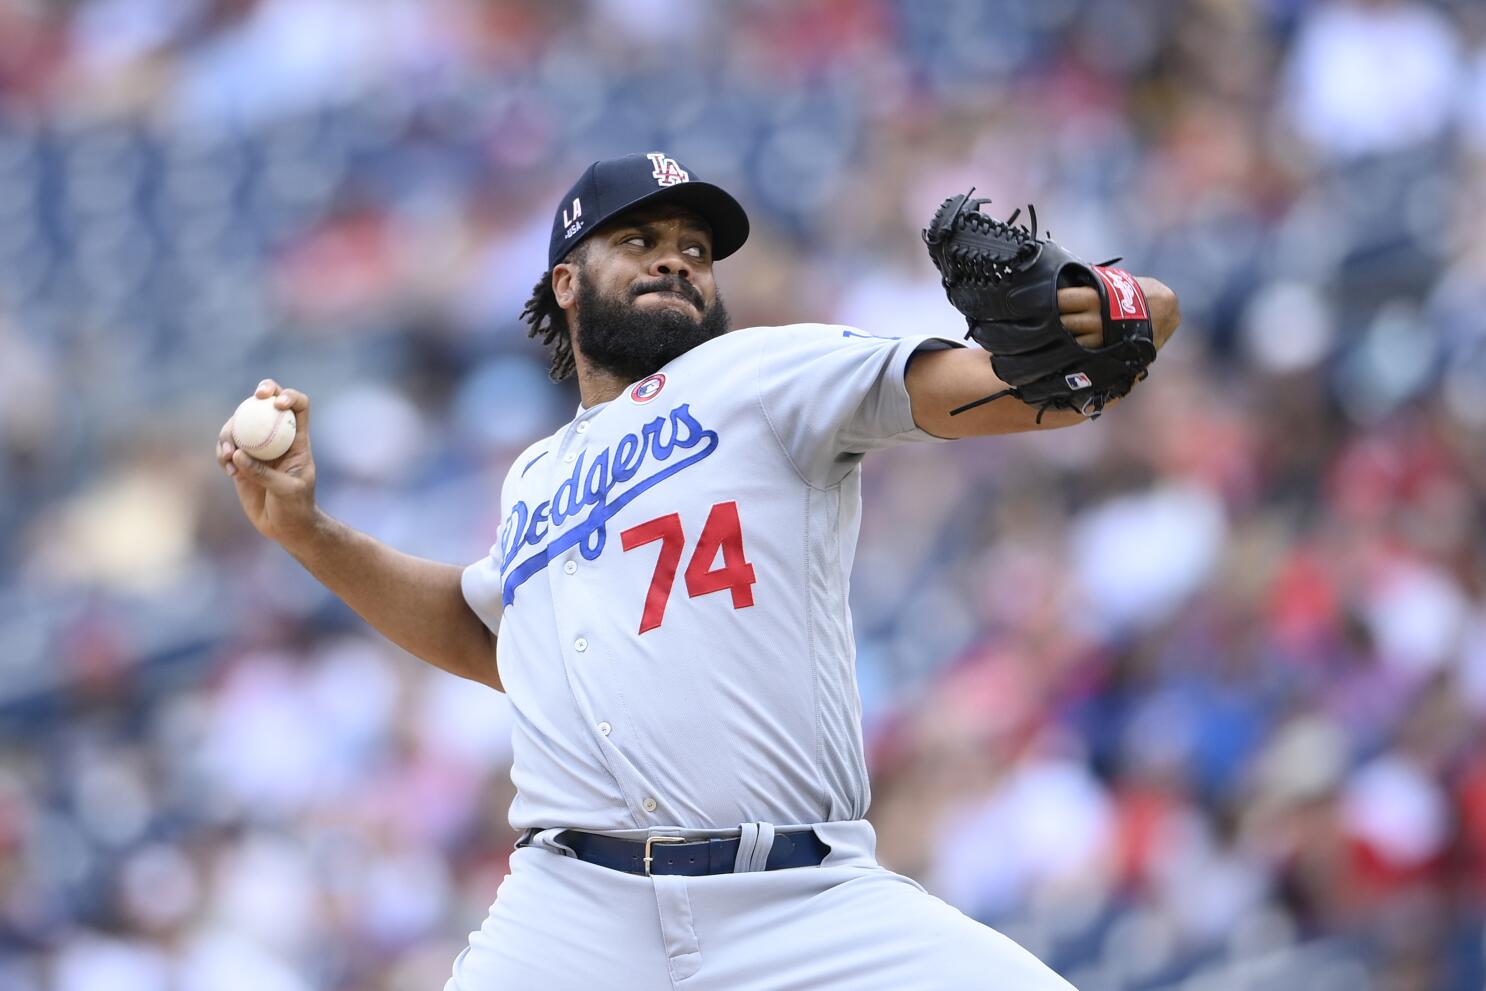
(651, 840)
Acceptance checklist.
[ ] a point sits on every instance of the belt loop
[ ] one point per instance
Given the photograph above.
(755, 841)
(747, 840)
(764, 848)
(547, 839)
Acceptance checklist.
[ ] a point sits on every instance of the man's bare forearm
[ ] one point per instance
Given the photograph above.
(414, 602)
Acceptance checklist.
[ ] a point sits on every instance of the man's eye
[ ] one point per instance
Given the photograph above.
(640, 238)
(697, 252)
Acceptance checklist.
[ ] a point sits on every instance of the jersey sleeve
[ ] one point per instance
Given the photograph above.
(481, 585)
(481, 581)
(832, 393)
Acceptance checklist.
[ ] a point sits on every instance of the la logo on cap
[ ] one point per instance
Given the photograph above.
(572, 225)
(667, 172)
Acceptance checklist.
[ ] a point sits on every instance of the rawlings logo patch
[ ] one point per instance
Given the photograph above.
(667, 172)
(1126, 300)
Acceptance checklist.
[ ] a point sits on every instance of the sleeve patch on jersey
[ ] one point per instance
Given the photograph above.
(648, 388)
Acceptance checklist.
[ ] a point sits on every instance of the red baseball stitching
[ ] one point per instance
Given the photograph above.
(272, 432)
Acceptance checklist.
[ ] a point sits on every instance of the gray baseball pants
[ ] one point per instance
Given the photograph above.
(562, 924)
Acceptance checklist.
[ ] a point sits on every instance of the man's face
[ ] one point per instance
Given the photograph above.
(642, 291)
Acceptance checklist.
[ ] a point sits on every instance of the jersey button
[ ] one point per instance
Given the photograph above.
(570, 567)
(583, 427)
(604, 728)
(569, 458)
(580, 645)
(649, 804)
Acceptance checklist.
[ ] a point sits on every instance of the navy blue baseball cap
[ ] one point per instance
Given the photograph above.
(614, 185)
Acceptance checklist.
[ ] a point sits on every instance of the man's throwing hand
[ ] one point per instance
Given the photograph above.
(277, 496)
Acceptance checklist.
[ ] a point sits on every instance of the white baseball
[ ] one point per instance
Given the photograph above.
(262, 429)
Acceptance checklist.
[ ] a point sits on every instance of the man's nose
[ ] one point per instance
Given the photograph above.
(671, 261)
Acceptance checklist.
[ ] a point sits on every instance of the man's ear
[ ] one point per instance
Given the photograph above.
(565, 284)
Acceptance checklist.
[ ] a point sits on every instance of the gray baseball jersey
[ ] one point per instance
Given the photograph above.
(670, 587)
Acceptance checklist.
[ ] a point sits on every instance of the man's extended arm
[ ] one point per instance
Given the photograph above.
(415, 603)
(939, 381)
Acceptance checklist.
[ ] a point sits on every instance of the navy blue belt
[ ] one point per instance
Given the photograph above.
(691, 858)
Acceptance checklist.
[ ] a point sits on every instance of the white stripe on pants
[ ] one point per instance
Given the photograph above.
(560, 924)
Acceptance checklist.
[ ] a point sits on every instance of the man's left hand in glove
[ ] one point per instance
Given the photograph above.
(941, 381)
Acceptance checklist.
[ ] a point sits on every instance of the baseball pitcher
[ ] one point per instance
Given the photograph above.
(666, 605)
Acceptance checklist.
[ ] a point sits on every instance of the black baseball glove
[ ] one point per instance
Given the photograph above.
(1005, 279)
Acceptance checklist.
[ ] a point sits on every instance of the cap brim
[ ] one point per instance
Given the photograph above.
(712, 203)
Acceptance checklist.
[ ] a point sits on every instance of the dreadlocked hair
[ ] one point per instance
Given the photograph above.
(547, 320)
(549, 323)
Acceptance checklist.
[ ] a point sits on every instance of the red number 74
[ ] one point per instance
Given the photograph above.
(722, 532)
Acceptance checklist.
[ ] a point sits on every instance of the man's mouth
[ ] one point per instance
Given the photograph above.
(674, 293)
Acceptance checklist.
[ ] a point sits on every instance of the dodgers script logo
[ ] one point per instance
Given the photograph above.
(592, 487)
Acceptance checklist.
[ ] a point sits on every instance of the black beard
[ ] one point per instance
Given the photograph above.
(631, 343)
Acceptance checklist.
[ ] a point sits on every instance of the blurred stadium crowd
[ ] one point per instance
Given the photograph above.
(1189, 698)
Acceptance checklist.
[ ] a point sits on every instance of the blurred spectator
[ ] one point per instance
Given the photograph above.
(1194, 689)
(1373, 76)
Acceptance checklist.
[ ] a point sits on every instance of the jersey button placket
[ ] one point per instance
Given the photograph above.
(572, 624)
(570, 566)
